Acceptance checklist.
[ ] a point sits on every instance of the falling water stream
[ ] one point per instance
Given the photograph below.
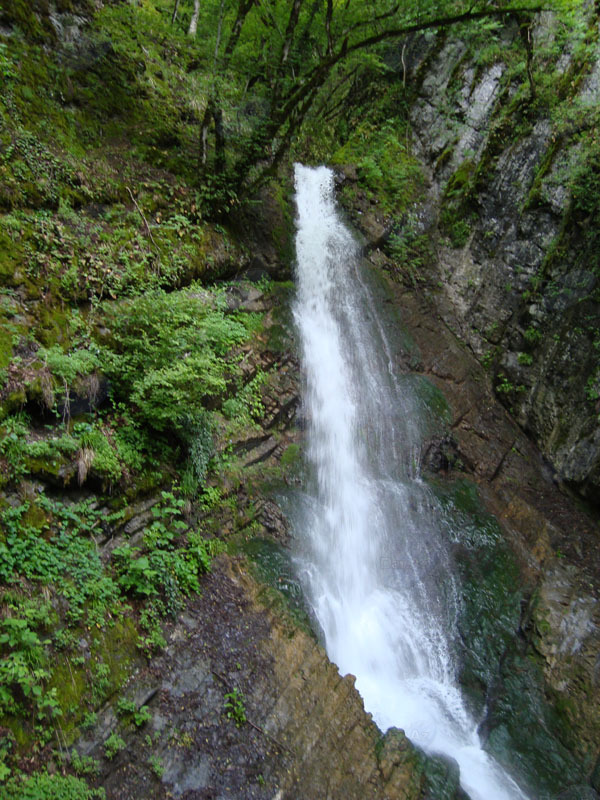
(373, 560)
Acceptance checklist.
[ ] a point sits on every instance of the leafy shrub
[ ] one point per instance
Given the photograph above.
(113, 745)
(104, 458)
(68, 366)
(41, 786)
(384, 163)
(23, 671)
(169, 353)
(165, 570)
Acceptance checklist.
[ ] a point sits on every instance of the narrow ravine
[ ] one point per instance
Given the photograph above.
(373, 561)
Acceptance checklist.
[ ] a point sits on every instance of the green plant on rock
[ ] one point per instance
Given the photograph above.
(24, 669)
(113, 745)
(153, 639)
(235, 707)
(71, 365)
(525, 359)
(84, 765)
(533, 335)
(98, 452)
(41, 786)
(169, 353)
(129, 710)
(101, 684)
(156, 766)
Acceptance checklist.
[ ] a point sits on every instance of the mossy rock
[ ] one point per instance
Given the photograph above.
(35, 517)
(115, 648)
(13, 402)
(31, 17)
(57, 470)
(10, 257)
(53, 325)
(461, 179)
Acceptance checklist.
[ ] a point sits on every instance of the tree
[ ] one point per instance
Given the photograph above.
(271, 60)
(194, 20)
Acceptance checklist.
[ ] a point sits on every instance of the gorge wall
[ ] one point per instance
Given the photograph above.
(513, 187)
(102, 221)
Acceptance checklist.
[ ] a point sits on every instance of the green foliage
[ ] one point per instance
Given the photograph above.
(409, 249)
(235, 707)
(211, 497)
(67, 562)
(68, 366)
(7, 70)
(113, 745)
(592, 388)
(153, 640)
(505, 387)
(14, 431)
(156, 766)
(533, 335)
(165, 570)
(525, 359)
(24, 453)
(84, 765)
(129, 710)
(101, 682)
(41, 786)
(142, 716)
(23, 669)
(169, 353)
(89, 720)
(384, 163)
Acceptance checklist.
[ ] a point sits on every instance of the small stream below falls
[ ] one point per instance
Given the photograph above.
(375, 554)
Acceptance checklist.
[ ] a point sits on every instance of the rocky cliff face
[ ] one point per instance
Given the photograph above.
(512, 196)
(304, 732)
(531, 628)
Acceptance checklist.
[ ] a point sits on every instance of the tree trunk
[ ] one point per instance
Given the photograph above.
(219, 140)
(194, 20)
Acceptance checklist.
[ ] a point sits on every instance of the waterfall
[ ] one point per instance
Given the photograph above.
(372, 558)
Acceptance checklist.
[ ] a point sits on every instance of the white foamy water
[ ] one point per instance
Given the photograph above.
(373, 562)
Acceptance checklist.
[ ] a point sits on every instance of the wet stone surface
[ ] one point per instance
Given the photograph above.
(305, 735)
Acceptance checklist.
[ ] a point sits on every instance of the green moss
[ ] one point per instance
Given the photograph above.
(31, 17)
(116, 646)
(521, 720)
(290, 455)
(12, 403)
(35, 517)
(53, 324)
(456, 212)
(46, 468)
(437, 412)
(461, 179)
(10, 257)
(71, 682)
(83, 687)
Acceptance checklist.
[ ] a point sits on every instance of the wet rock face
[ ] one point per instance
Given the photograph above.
(532, 316)
(530, 628)
(305, 732)
(566, 620)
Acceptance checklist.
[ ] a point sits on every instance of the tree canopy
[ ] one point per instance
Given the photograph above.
(267, 61)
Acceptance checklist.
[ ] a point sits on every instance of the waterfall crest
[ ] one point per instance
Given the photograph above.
(372, 557)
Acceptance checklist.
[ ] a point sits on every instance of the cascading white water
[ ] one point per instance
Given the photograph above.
(373, 561)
